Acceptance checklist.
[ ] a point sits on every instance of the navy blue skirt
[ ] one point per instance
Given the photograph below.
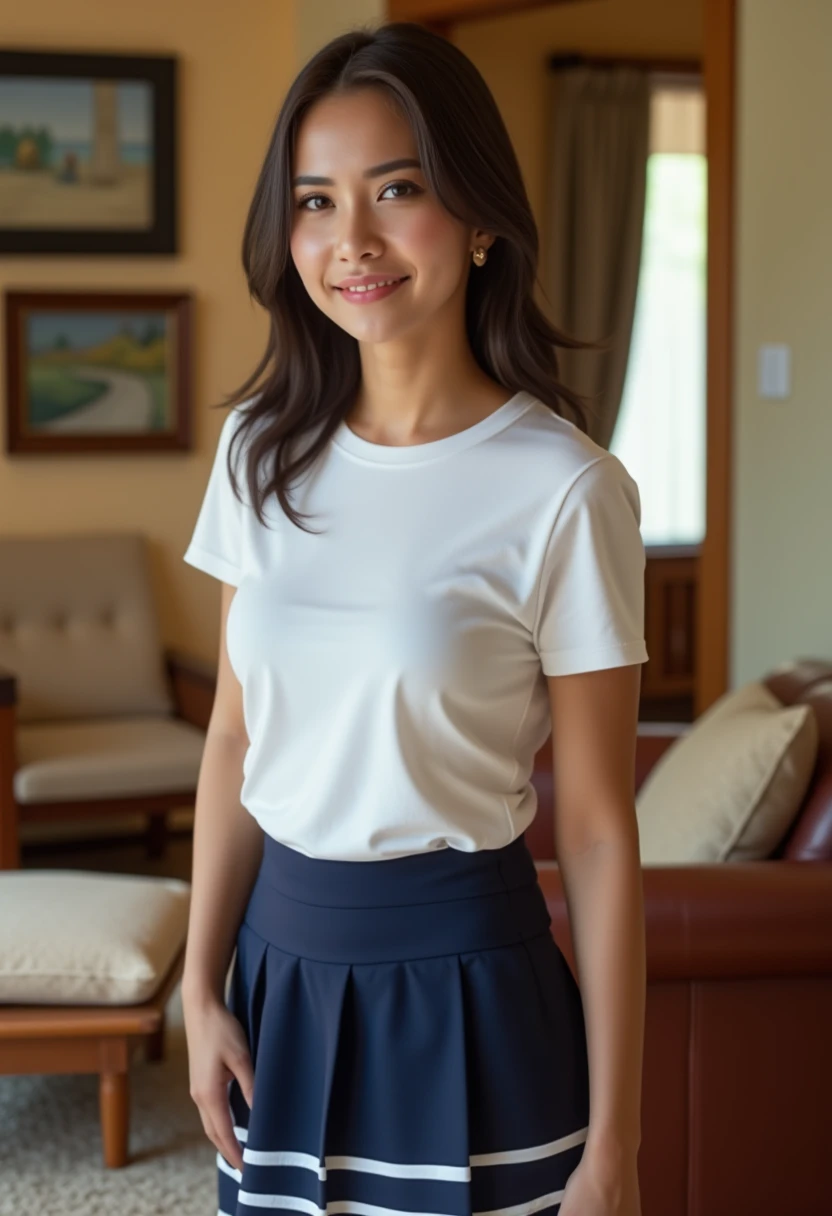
(417, 1037)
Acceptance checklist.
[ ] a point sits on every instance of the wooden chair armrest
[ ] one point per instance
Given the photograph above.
(194, 682)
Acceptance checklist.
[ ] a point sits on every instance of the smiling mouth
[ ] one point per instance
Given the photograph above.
(369, 295)
(381, 285)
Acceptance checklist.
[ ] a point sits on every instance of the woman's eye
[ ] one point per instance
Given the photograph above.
(308, 199)
(395, 185)
(408, 187)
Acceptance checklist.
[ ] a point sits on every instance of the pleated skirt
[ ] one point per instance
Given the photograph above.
(417, 1037)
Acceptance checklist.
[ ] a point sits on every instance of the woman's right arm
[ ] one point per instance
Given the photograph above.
(228, 844)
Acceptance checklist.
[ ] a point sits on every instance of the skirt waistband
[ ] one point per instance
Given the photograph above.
(418, 906)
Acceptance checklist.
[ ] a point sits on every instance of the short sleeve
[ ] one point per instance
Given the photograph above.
(590, 609)
(216, 543)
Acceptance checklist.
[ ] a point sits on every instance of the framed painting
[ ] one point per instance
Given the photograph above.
(87, 153)
(98, 371)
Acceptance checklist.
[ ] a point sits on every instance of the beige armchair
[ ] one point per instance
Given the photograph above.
(95, 716)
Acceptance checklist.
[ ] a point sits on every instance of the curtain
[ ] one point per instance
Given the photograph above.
(595, 222)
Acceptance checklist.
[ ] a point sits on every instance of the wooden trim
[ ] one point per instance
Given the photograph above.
(141, 804)
(670, 629)
(714, 599)
(193, 681)
(191, 667)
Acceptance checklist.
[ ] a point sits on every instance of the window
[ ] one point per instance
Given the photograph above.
(660, 429)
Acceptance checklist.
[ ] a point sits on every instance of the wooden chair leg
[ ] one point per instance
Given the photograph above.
(155, 1049)
(114, 1100)
(114, 1104)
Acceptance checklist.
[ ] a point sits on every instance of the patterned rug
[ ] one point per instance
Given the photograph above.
(50, 1147)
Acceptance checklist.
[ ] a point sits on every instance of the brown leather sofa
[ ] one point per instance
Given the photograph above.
(737, 1083)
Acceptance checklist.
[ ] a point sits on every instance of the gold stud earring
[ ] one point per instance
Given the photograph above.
(479, 256)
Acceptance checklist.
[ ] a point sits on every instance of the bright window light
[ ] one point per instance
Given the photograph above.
(660, 430)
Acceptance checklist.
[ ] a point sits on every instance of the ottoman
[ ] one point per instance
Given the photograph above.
(88, 962)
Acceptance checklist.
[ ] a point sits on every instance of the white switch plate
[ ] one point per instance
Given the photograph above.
(774, 371)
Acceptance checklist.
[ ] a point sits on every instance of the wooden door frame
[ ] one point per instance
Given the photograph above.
(712, 641)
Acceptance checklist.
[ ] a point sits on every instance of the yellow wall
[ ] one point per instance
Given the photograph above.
(235, 64)
(233, 74)
(320, 20)
(782, 574)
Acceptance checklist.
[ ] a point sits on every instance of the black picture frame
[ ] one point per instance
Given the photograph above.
(159, 236)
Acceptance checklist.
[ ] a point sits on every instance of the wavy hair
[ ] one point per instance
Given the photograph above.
(310, 371)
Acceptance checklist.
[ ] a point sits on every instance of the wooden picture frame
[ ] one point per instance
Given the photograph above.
(87, 153)
(98, 371)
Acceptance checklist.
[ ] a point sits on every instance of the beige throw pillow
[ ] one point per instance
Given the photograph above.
(78, 938)
(730, 787)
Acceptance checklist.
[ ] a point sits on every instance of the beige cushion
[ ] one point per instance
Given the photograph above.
(730, 787)
(68, 937)
(111, 758)
(78, 626)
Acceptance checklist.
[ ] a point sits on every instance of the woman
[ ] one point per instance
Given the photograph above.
(402, 1033)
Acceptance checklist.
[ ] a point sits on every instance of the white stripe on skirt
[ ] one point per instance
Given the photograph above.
(354, 1208)
(392, 1169)
(351, 1207)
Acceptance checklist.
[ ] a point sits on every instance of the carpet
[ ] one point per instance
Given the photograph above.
(50, 1147)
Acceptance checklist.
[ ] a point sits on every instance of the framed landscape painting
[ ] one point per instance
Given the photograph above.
(98, 371)
(87, 153)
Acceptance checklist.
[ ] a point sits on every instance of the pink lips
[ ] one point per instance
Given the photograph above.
(368, 297)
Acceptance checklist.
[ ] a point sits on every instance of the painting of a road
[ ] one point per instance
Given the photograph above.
(97, 373)
(75, 153)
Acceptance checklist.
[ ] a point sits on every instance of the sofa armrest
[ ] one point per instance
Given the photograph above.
(9, 845)
(194, 682)
(724, 921)
(653, 740)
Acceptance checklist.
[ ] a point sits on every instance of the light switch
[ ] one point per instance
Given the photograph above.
(774, 371)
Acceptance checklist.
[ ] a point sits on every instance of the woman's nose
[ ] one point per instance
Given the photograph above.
(357, 236)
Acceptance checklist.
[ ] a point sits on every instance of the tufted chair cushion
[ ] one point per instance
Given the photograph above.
(78, 627)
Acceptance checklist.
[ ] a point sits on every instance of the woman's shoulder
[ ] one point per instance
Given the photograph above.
(565, 452)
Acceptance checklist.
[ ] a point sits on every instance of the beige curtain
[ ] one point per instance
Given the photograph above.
(595, 220)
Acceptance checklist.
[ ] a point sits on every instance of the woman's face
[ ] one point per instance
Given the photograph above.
(374, 217)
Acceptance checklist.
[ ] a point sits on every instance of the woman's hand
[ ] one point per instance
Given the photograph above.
(598, 1188)
(217, 1052)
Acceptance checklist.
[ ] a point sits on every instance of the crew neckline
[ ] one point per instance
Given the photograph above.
(421, 453)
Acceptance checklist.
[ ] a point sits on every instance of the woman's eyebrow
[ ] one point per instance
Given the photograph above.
(406, 162)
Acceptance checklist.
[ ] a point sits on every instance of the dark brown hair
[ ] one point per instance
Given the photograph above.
(311, 367)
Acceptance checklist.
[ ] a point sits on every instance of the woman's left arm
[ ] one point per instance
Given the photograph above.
(594, 728)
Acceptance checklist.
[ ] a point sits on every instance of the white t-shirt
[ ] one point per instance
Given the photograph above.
(394, 667)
